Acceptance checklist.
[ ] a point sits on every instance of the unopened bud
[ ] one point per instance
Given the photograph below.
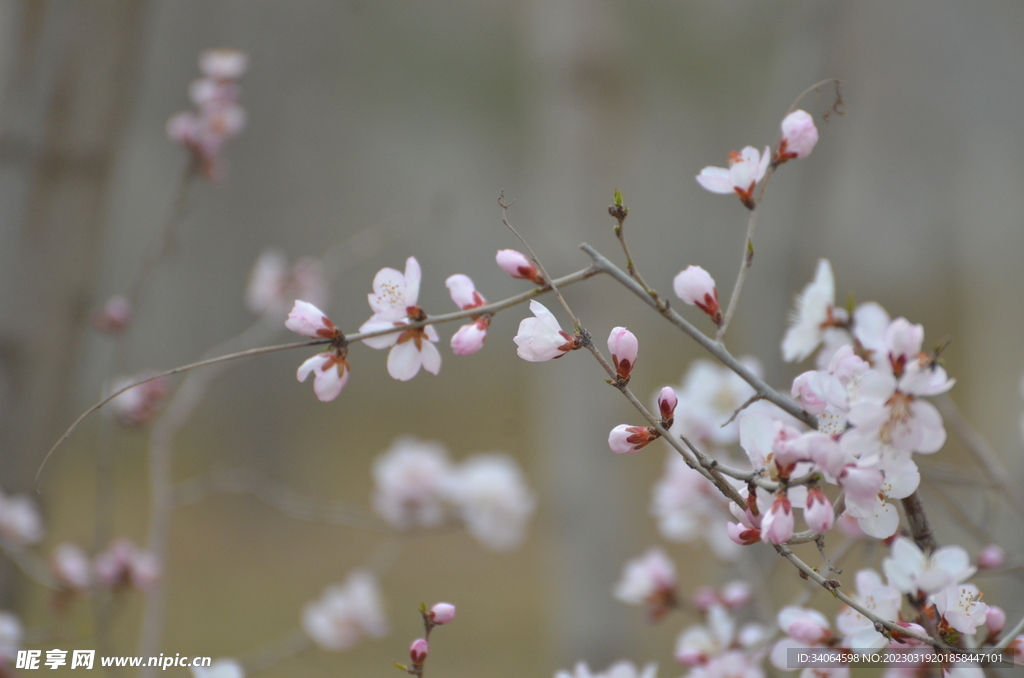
(625, 439)
(799, 135)
(667, 401)
(991, 557)
(442, 613)
(696, 287)
(418, 651)
(113, 316)
(623, 346)
(517, 265)
(995, 619)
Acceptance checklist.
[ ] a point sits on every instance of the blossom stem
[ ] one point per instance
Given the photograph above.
(745, 263)
(919, 526)
(1010, 636)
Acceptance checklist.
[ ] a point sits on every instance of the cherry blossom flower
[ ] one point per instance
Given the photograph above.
(541, 338)
(223, 63)
(626, 439)
(124, 563)
(113, 316)
(518, 265)
(71, 567)
(20, 522)
(736, 594)
(222, 668)
(492, 498)
(746, 168)
(623, 346)
(441, 614)
(622, 669)
(469, 338)
(799, 136)
(805, 628)
(777, 523)
(346, 613)
(991, 557)
(995, 620)
(394, 304)
(701, 643)
(139, 405)
(882, 600)
(708, 399)
(329, 369)
(899, 479)
(273, 284)
(961, 607)
(696, 287)
(649, 580)
(911, 571)
(815, 312)
(410, 481)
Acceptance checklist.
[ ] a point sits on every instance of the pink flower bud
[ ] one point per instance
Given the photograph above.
(736, 594)
(464, 292)
(442, 613)
(743, 535)
(995, 619)
(623, 346)
(696, 287)
(777, 523)
(667, 401)
(113, 316)
(470, 338)
(418, 651)
(704, 597)
(309, 321)
(818, 514)
(625, 439)
(991, 557)
(799, 135)
(517, 265)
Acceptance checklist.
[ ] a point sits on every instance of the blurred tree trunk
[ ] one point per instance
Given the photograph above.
(68, 78)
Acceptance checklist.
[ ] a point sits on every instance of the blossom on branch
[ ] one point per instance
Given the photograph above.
(469, 338)
(623, 346)
(649, 580)
(410, 480)
(815, 312)
(696, 287)
(541, 338)
(347, 613)
(625, 439)
(799, 136)
(329, 369)
(911, 571)
(746, 168)
(518, 265)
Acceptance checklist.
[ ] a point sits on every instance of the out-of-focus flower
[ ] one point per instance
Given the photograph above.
(469, 338)
(410, 481)
(493, 500)
(991, 556)
(346, 613)
(622, 669)
(799, 136)
(20, 522)
(649, 580)
(541, 338)
(736, 594)
(911, 571)
(995, 620)
(223, 63)
(274, 285)
(884, 601)
(124, 563)
(815, 312)
(623, 346)
(699, 644)
(71, 567)
(709, 398)
(518, 265)
(394, 303)
(11, 634)
(746, 168)
(329, 369)
(696, 287)
(113, 316)
(222, 668)
(442, 613)
(625, 439)
(139, 405)
(961, 607)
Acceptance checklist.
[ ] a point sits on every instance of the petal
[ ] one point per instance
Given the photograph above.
(383, 341)
(327, 384)
(715, 179)
(412, 281)
(404, 361)
(306, 319)
(430, 357)
(312, 364)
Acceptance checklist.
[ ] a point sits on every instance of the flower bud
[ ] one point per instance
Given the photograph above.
(470, 338)
(818, 514)
(991, 557)
(418, 651)
(696, 287)
(625, 439)
(517, 265)
(777, 523)
(995, 620)
(743, 535)
(113, 316)
(623, 346)
(463, 292)
(799, 135)
(442, 613)
(667, 401)
(736, 594)
(703, 597)
(70, 567)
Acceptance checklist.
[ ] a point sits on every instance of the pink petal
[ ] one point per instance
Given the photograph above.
(430, 357)
(327, 384)
(715, 179)
(404, 361)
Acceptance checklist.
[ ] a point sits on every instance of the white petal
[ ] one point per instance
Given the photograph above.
(430, 357)
(327, 384)
(383, 341)
(412, 281)
(310, 365)
(715, 179)
(404, 361)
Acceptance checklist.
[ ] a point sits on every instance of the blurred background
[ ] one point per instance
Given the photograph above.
(398, 123)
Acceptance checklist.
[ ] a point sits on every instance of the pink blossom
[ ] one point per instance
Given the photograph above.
(442, 613)
(309, 321)
(273, 283)
(667, 401)
(124, 563)
(71, 567)
(649, 579)
(746, 168)
(625, 439)
(541, 338)
(911, 571)
(223, 63)
(330, 374)
(702, 643)
(736, 594)
(492, 498)
(138, 405)
(815, 312)
(347, 613)
(696, 287)
(961, 607)
(995, 620)
(20, 522)
(818, 513)
(884, 601)
(410, 483)
(743, 535)
(463, 292)
(518, 265)
(777, 524)
(623, 346)
(804, 625)
(418, 651)
(113, 316)
(394, 304)
(799, 135)
(991, 557)
(470, 338)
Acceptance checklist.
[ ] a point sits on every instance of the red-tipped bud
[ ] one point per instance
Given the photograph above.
(696, 287)
(442, 613)
(667, 401)
(418, 651)
(517, 265)
(818, 514)
(625, 439)
(743, 535)
(777, 524)
(799, 135)
(623, 346)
